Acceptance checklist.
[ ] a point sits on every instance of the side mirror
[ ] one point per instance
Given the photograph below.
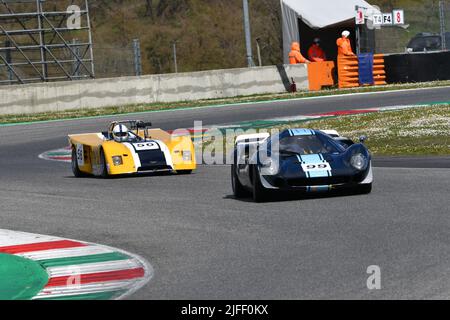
(362, 139)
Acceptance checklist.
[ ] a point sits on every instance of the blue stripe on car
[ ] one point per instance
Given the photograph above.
(314, 159)
(302, 132)
(311, 158)
(318, 174)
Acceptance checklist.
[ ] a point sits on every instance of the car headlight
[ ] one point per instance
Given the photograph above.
(187, 155)
(269, 167)
(358, 161)
(117, 160)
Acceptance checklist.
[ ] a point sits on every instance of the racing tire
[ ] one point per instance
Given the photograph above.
(259, 192)
(238, 189)
(104, 169)
(365, 188)
(75, 169)
(183, 172)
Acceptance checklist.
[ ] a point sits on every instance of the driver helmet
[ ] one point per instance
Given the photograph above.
(120, 133)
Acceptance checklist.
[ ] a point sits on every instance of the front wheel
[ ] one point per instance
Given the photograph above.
(238, 189)
(103, 168)
(259, 192)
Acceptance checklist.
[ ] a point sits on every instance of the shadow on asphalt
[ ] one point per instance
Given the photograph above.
(295, 196)
(131, 176)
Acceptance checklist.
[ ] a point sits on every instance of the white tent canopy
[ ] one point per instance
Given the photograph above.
(316, 14)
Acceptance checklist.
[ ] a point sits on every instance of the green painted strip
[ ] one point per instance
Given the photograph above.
(61, 262)
(90, 296)
(56, 154)
(20, 278)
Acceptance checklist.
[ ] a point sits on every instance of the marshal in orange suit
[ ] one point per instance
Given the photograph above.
(295, 55)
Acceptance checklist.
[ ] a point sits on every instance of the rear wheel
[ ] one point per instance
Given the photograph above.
(238, 189)
(259, 192)
(75, 169)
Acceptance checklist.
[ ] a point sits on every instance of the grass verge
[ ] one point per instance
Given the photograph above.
(118, 110)
(416, 131)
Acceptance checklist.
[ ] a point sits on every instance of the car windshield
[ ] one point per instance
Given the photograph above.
(133, 137)
(311, 144)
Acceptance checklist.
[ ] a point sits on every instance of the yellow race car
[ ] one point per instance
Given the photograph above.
(130, 147)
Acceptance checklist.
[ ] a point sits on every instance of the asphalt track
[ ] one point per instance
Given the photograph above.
(204, 244)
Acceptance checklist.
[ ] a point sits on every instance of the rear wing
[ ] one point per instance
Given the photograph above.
(133, 125)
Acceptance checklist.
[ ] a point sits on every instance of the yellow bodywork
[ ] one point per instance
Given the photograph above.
(88, 150)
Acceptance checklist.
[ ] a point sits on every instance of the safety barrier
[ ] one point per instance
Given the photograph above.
(379, 70)
(165, 88)
(417, 67)
(320, 74)
(348, 71)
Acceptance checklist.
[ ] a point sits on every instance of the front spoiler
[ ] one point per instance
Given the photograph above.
(314, 189)
(318, 188)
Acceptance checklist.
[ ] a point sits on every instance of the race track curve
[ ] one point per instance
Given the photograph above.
(204, 244)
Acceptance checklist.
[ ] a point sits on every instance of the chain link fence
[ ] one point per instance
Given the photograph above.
(113, 62)
(109, 62)
(424, 24)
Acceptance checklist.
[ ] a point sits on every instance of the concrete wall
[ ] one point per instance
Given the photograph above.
(56, 96)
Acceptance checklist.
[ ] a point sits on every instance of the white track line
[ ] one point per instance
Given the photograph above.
(88, 268)
(8, 238)
(53, 292)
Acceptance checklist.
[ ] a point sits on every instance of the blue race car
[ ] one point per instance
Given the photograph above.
(301, 160)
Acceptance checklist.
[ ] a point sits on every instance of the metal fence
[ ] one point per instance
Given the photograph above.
(114, 61)
(109, 62)
(431, 17)
(37, 41)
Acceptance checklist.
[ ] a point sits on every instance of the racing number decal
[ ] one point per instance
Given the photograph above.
(146, 146)
(80, 155)
(316, 167)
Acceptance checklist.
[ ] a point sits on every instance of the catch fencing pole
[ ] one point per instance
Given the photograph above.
(442, 24)
(175, 62)
(248, 38)
(137, 57)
